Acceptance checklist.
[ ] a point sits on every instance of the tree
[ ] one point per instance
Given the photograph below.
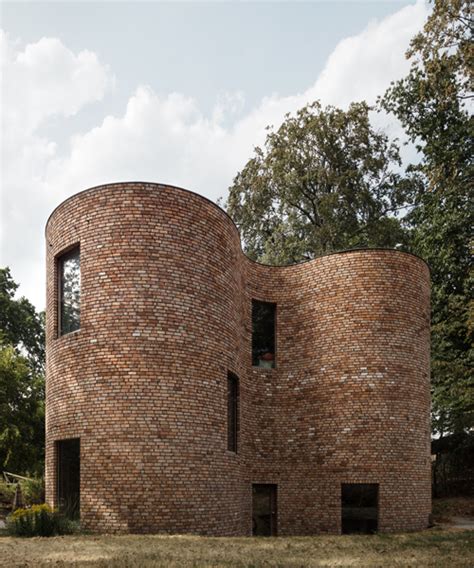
(431, 103)
(324, 181)
(21, 414)
(20, 324)
(21, 381)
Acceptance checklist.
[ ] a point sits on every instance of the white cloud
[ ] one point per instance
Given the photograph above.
(40, 81)
(166, 139)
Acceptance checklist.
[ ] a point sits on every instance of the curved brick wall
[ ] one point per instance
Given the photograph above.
(166, 312)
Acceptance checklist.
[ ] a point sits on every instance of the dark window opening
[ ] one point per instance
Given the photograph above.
(264, 509)
(69, 270)
(359, 508)
(263, 334)
(232, 411)
(68, 475)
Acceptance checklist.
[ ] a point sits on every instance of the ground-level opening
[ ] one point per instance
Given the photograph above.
(68, 477)
(359, 507)
(264, 509)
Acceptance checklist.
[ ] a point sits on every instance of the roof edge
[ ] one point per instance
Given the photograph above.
(206, 199)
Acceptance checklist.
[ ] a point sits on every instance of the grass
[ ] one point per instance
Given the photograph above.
(434, 547)
(448, 507)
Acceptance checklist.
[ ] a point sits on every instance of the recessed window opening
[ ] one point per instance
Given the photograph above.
(69, 272)
(359, 506)
(263, 334)
(68, 475)
(232, 411)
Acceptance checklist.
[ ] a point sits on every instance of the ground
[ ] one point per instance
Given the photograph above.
(458, 511)
(434, 547)
(443, 545)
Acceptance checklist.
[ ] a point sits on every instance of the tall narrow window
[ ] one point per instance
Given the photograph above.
(232, 411)
(69, 271)
(263, 334)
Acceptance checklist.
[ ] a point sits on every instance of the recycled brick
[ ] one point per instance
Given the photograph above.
(166, 296)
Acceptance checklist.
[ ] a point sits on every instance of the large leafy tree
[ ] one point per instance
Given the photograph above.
(20, 324)
(21, 414)
(21, 381)
(432, 102)
(325, 180)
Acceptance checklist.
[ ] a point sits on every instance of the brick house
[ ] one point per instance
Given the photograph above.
(192, 390)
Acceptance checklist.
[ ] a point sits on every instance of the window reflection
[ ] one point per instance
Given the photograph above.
(263, 334)
(70, 292)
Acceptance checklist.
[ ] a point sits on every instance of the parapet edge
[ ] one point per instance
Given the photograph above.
(158, 185)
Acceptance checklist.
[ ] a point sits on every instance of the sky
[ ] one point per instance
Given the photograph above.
(176, 92)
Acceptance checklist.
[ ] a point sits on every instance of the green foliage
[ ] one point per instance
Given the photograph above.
(21, 414)
(39, 520)
(33, 490)
(21, 382)
(20, 324)
(7, 492)
(431, 103)
(324, 181)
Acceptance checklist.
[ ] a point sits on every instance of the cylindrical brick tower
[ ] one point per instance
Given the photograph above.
(143, 380)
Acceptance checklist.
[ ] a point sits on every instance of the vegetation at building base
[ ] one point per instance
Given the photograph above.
(431, 548)
(326, 180)
(32, 491)
(38, 520)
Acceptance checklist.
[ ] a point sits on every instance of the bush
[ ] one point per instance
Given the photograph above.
(39, 520)
(7, 492)
(33, 490)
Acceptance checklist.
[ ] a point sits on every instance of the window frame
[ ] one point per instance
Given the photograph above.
(60, 258)
(365, 517)
(233, 409)
(274, 306)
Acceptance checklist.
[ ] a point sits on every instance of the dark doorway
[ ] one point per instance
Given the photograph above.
(264, 510)
(68, 476)
(359, 508)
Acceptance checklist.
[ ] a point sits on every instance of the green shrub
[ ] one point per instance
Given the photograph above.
(39, 520)
(7, 492)
(33, 490)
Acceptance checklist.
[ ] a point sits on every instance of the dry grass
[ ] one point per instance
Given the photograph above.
(435, 547)
(448, 507)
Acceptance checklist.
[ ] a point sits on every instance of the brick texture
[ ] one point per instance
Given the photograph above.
(165, 314)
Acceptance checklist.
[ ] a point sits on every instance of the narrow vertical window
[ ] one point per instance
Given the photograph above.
(263, 334)
(232, 411)
(69, 271)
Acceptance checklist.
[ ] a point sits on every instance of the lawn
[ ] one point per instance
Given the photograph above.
(434, 547)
